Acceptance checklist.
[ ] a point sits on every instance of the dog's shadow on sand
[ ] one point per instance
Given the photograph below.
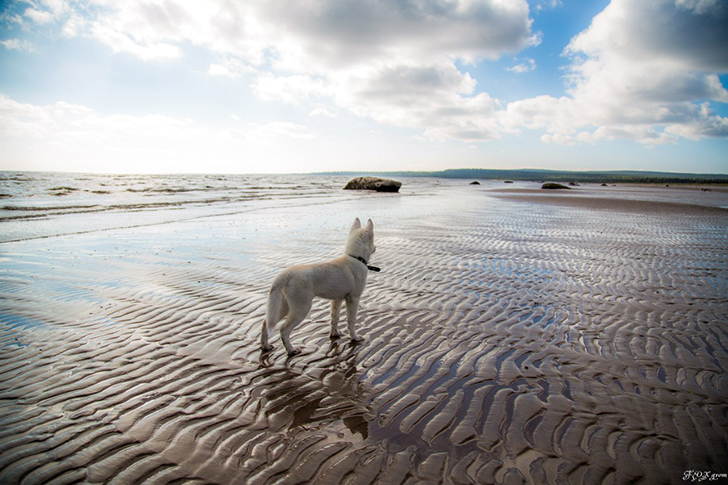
(315, 390)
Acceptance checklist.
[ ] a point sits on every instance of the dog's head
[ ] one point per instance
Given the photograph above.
(361, 240)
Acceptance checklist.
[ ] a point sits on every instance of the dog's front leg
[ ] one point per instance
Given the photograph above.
(335, 310)
(352, 305)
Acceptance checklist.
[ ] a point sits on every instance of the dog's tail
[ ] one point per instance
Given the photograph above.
(272, 313)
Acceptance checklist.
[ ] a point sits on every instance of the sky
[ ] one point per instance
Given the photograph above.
(281, 86)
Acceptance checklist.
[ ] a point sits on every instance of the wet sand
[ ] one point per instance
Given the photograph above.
(512, 337)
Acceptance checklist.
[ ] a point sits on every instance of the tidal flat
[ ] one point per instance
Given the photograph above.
(512, 336)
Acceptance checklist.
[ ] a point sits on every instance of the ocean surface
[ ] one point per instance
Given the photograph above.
(40, 205)
(37, 205)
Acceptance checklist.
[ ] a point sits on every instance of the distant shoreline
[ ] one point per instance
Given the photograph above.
(538, 175)
(522, 175)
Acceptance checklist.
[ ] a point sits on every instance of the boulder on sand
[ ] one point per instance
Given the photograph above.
(552, 185)
(373, 183)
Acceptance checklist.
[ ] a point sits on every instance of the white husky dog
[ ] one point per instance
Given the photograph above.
(338, 280)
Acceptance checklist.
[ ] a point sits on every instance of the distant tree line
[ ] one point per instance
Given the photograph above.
(537, 175)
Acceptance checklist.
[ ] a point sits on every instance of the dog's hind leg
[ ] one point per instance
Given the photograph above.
(335, 310)
(352, 305)
(298, 310)
(277, 308)
(264, 343)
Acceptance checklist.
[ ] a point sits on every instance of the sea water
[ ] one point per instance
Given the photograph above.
(39, 205)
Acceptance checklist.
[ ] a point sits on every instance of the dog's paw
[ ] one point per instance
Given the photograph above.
(357, 340)
(334, 336)
(266, 348)
(294, 351)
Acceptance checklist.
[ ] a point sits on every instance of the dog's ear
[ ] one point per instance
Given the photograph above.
(357, 224)
(370, 226)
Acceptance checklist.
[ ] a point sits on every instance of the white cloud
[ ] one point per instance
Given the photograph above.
(547, 4)
(38, 16)
(644, 71)
(46, 11)
(220, 70)
(437, 99)
(313, 36)
(641, 134)
(120, 42)
(559, 138)
(336, 34)
(56, 7)
(323, 111)
(230, 67)
(82, 139)
(641, 70)
(391, 61)
(18, 45)
(64, 123)
(289, 89)
(526, 65)
(651, 50)
(24, 120)
(73, 25)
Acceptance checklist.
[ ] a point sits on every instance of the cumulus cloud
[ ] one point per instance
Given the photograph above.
(645, 71)
(438, 99)
(393, 62)
(336, 34)
(659, 50)
(311, 36)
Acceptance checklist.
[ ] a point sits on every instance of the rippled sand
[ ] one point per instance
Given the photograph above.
(511, 337)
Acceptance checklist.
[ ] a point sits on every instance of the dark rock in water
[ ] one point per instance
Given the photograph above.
(508, 181)
(605, 185)
(573, 184)
(552, 185)
(474, 182)
(373, 183)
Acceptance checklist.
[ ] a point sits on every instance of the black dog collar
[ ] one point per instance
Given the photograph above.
(370, 268)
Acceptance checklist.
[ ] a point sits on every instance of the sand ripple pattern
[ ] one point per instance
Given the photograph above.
(506, 342)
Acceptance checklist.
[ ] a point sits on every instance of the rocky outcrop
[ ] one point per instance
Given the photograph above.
(373, 183)
(553, 186)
